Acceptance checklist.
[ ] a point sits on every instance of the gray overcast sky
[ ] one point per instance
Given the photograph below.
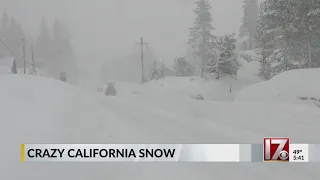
(108, 27)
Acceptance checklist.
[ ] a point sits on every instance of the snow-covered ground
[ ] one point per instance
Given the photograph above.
(190, 87)
(42, 110)
(295, 86)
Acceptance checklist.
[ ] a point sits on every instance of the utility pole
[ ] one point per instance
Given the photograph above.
(32, 56)
(142, 68)
(24, 55)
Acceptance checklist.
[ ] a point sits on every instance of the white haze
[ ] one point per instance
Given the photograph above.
(105, 29)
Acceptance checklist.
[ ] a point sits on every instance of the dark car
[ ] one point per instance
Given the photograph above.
(111, 90)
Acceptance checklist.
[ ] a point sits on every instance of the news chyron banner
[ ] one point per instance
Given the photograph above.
(272, 150)
(130, 152)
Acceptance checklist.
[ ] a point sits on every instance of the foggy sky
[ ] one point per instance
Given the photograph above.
(103, 28)
(112, 26)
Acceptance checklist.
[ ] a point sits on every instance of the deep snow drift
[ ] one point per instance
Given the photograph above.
(42, 110)
(222, 90)
(295, 86)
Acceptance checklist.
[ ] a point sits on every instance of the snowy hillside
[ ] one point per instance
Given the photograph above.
(42, 110)
(295, 86)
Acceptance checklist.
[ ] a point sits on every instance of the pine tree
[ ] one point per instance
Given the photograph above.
(276, 32)
(44, 39)
(222, 59)
(200, 33)
(183, 67)
(61, 45)
(154, 74)
(265, 45)
(148, 60)
(14, 41)
(161, 70)
(308, 27)
(289, 34)
(11, 33)
(4, 24)
(249, 21)
(264, 71)
(13, 29)
(43, 45)
(4, 33)
(63, 55)
(175, 66)
(56, 29)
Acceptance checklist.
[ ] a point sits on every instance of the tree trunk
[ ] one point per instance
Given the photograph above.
(217, 65)
(202, 52)
(309, 54)
(250, 39)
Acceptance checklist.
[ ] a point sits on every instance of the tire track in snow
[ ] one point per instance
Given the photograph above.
(136, 113)
(282, 171)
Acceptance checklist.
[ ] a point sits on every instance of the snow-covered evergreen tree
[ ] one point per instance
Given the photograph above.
(222, 59)
(4, 23)
(43, 45)
(275, 35)
(249, 21)
(265, 46)
(63, 58)
(264, 71)
(148, 60)
(289, 34)
(161, 70)
(3, 33)
(183, 67)
(44, 38)
(201, 32)
(62, 45)
(154, 70)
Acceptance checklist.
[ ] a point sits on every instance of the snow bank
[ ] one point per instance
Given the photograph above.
(222, 122)
(42, 110)
(5, 70)
(190, 87)
(285, 87)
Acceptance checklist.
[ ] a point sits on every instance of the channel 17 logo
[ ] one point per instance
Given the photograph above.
(276, 149)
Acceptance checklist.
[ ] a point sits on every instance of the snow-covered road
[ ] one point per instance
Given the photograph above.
(145, 120)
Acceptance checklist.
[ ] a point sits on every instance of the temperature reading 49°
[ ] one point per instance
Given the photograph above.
(298, 155)
(297, 151)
